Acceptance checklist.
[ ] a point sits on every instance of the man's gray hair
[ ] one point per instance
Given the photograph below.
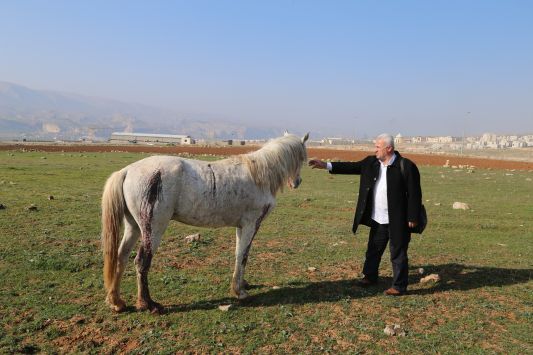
(387, 139)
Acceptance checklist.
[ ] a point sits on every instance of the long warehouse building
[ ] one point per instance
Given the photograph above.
(122, 137)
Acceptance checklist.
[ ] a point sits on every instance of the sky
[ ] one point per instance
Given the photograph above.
(349, 68)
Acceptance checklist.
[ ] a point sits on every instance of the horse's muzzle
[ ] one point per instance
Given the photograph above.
(296, 182)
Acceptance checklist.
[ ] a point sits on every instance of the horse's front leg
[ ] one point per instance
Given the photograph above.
(243, 243)
(245, 237)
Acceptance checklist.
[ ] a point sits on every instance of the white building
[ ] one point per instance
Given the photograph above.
(443, 139)
(122, 137)
(518, 144)
(398, 139)
(337, 141)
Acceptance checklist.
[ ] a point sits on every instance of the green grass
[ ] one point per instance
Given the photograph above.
(52, 298)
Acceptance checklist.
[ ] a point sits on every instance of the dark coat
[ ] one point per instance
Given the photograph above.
(404, 195)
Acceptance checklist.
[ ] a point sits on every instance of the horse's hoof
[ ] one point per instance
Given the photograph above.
(243, 295)
(234, 290)
(141, 305)
(153, 307)
(157, 308)
(116, 306)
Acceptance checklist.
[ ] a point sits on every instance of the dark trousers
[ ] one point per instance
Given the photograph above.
(377, 242)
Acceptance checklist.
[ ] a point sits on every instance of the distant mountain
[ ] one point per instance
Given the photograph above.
(40, 114)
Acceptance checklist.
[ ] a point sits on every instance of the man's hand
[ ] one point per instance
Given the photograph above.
(317, 164)
(412, 224)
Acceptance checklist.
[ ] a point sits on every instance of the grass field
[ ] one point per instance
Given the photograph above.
(52, 298)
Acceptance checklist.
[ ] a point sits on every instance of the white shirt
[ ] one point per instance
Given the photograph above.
(380, 212)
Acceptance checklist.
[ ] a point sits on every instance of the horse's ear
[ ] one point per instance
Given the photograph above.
(305, 138)
(286, 133)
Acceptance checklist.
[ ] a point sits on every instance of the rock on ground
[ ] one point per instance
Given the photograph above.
(460, 206)
(193, 238)
(224, 307)
(429, 278)
(394, 329)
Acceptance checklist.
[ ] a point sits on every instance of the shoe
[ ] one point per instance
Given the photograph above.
(365, 282)
(393, 292)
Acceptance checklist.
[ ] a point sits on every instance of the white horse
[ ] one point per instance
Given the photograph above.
(238, 191)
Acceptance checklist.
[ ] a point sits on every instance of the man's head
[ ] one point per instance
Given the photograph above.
(384, 147)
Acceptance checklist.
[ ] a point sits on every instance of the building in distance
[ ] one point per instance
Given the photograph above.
(150, 138)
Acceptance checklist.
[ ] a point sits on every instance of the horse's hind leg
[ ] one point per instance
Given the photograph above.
(131, 235)
(149, 243)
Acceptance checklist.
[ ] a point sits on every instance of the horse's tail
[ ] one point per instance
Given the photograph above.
(112, 218)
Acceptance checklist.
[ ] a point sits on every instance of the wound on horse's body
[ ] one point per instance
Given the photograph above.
(214, 179)
(257, 225)
(153, 194)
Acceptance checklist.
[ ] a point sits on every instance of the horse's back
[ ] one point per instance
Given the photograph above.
(195, 192)
(169, 167)
(156, 161)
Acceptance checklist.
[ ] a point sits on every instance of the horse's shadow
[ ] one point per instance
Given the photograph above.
(453, 277)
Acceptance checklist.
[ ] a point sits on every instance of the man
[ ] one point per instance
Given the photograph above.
(389, 203)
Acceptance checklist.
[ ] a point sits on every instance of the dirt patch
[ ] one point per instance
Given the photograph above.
(321, 153)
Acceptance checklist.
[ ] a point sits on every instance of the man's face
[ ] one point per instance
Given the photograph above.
(382, 150)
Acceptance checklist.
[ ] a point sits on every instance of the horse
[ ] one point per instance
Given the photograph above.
(239, 191)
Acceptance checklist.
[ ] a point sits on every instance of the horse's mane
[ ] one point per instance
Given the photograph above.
(275, 162)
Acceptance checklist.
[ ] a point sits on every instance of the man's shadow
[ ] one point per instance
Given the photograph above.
(466, 277)
(453, 277)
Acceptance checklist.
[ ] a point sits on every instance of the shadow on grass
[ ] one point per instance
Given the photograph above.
(453, 277)
(295, 293)
(466, 277)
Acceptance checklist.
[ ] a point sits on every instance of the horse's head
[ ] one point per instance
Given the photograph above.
(278, 163)
(295, 179)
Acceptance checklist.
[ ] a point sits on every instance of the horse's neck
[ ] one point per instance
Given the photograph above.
(258, 156)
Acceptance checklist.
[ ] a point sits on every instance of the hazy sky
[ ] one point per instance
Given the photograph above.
(352, 68)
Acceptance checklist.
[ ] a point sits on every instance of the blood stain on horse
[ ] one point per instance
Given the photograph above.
(257, 225)
(153, 194)
(214, 179)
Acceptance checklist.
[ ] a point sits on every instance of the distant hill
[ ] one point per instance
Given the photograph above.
(40, 114)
